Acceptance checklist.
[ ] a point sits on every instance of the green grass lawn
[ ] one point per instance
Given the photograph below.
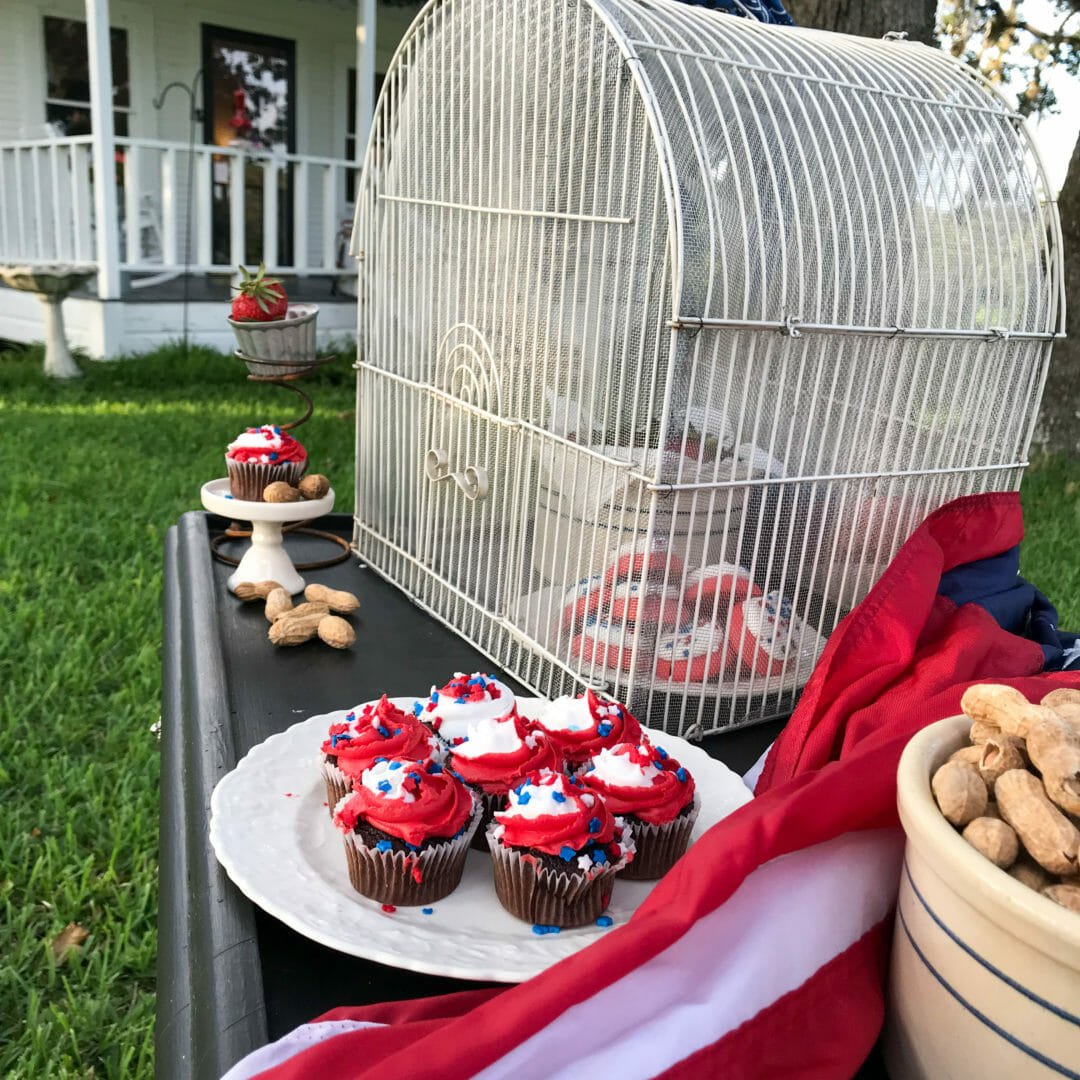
(95, 472)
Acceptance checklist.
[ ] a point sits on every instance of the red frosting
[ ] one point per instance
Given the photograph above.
(496, 774)
(556, 834)
(278, 443)
(671, 789)
(440, 807)
(381, 730)
(611, 724)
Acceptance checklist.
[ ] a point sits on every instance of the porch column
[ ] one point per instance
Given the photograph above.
(365, 73)
(103, 148)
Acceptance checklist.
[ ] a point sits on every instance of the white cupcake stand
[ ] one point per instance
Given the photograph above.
(266, 559)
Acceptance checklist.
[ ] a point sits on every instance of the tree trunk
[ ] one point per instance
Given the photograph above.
(1058, 429)
(868, 18)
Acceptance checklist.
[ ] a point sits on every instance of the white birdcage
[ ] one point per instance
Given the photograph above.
(673, 326)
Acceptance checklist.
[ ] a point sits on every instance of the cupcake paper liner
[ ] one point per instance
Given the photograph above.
(659, 847)
(489, 803)
(536, 894)
(389, 877)
(337, 787)
(248, 479)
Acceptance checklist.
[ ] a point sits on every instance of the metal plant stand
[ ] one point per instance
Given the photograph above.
(52, 283)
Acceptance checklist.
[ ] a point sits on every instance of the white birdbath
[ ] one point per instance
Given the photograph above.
(266, 559)
(52, 282)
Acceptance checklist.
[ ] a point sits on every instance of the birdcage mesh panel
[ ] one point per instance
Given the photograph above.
(673, 327)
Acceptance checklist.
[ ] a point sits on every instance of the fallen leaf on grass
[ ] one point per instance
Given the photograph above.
(348, 414)
(71, 937)
(35, 832)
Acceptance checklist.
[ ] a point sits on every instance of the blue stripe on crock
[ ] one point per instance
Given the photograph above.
(1048, 1005)
(1021, 1046)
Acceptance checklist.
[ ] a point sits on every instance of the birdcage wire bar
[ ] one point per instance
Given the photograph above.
(737, 305)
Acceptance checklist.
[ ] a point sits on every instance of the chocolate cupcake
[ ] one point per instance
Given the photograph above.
(497, 755)
(555, 851)
(261, 456)
(407, 829)
(376, 730)
(465, 700)
(584, 725)
(654, 795)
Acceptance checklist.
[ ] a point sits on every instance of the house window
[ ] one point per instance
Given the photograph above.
(350, 127)
(67, 68)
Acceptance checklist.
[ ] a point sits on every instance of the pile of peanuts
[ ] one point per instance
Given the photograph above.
(319, 616)
(1015, 791)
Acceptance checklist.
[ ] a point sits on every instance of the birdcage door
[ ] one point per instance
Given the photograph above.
(468, 515)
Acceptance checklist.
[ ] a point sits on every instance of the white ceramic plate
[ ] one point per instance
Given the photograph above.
(271, 831)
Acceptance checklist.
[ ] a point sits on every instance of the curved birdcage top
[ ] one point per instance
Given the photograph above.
(812, 177)
(839, 180)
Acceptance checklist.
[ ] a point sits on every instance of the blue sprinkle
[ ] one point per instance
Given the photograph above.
(478, 681)
(523, 797)
(384, 785)
(384, 845)
(383, 732)
(456, 775)
(414, 776)
(604, 730)
(350, 718)
(681, 774)
(591, 768)
(661, 753)
(417, 709)
(277, 430)
(431, 911)
(273, 457)
(576, 781)
(228, 496)
(397, 731)
(435, 696)
(461, 700)
(434, 768)
(605, 921)
(594, 825)
(378, 759)
(558, 796)
(395, 765)
(599, 856)
(539, 928)
(566, 853)
(413, 847)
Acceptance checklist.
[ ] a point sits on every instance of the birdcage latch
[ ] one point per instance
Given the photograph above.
(473, 479)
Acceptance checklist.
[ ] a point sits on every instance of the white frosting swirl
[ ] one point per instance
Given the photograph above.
(567, 714)
(455, 716)
(531, 800)
(489, 736)
(614, 768)
(392, 773)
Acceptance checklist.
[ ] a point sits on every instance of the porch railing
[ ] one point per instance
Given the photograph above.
(203, 209)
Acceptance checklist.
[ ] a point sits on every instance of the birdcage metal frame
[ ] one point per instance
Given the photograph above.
(734, 304)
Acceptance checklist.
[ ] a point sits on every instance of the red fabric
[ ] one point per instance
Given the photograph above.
(762, 1048)
(900, 661)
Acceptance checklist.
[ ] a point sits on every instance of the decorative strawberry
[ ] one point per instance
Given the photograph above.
(261, 298)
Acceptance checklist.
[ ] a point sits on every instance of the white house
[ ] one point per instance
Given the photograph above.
(235, 135)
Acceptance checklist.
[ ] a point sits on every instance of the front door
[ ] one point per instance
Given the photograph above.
(249, 92)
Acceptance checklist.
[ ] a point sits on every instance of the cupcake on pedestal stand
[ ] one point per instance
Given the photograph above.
(277, 342)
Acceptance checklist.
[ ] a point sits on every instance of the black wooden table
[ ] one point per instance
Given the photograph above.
(230, 977)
